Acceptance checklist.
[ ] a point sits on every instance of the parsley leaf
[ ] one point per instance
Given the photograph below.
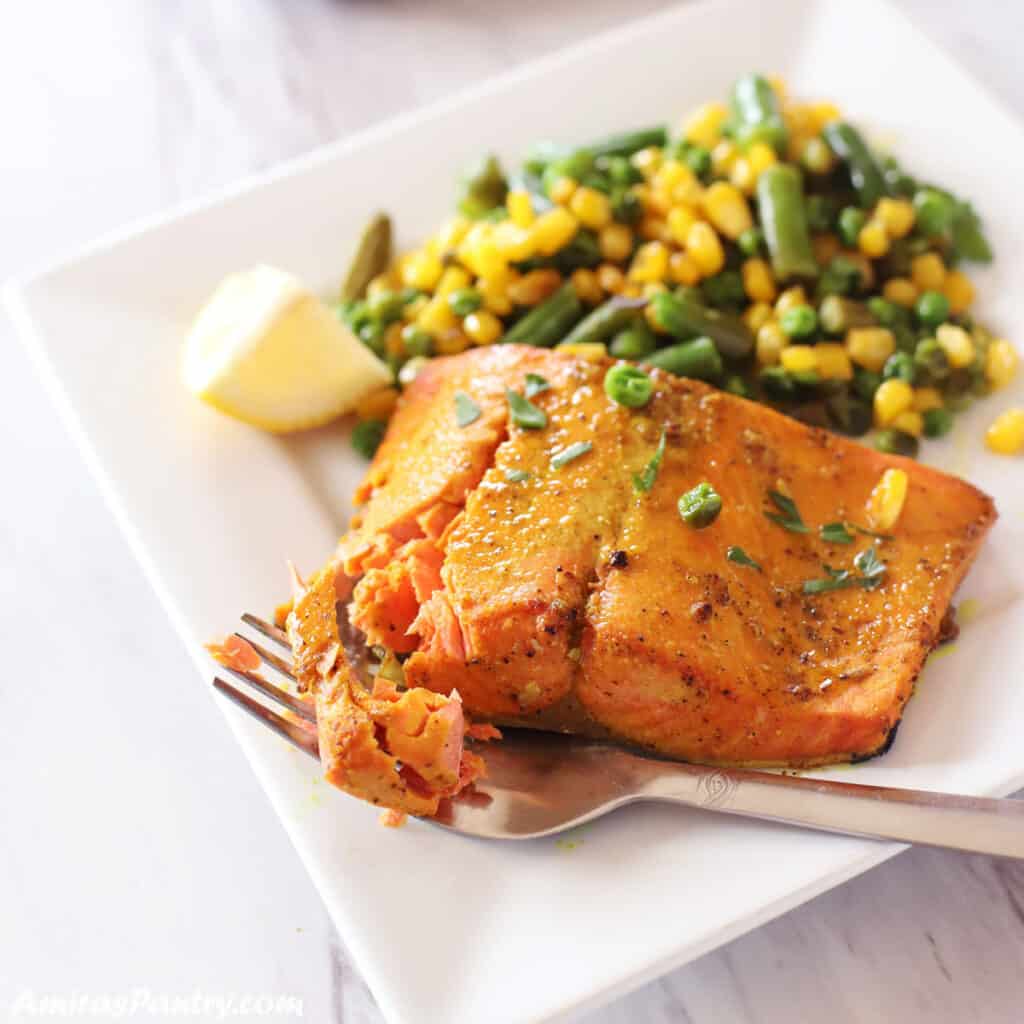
(567, 455)
(644, 481)
(466, 410)
(535, 384)
(740, 557)
(524, 413)
(788, 515)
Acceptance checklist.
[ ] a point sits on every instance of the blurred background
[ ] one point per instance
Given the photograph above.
(113, 111)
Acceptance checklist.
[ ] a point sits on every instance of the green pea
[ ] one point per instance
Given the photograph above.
(464, 301)
(367, 436)
(937, 422)
(932, 309)
(933, 212)
(633, 342)
(371, 334)
(931, 360)
(751, 242)
(851, 220)
(386, 306)
(799, 322)
(698, 159)
(628, 386)
(416, 341)
(699, 507)
(866, 383)
(899, 366)
(896, 442)
(887, 313)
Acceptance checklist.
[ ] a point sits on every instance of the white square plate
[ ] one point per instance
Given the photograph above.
(446, 929)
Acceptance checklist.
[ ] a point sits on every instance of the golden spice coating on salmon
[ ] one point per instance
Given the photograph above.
(554, 592)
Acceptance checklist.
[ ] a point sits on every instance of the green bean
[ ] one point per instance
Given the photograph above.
(627, 207)
(837, 315)
(604, 322)
(633, 342)
(547, 323)
(683, 317)
(627, 143)
(482, 187)
(628, 386)
(697, 358)
(755, 113)
(821, 212)
(576, 165)
(582, 251)
(865, 175)
(620, 171)
(783, 219)
(372, 257)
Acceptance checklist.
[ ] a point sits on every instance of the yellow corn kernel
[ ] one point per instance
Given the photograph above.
(870, 346)
(959, 291)
(742, 175)
(563, 190)
(422, 271)
(705, 248)
(394, 344)
(587, 287)
(534, 287)
(833, 361)
(900, 290)
(1006, 435)
(676, 183)
(757, 315)
(823, 113)
(553, 229)
(650, 263)
(723, 156)
(1001, 361)
(795, 296)
(727, 208)
(437, 317)
(482, 327)
(593, 209)
(654, 229)
(826, 247)
(761, 156)
(378, 405)
(799, 358)
(385, 282)
(909, 422)
(770, 342)
(452, 342)
(452, 232)
(590, 351)
(520, 207)
(494, 291)
(610, 278)
(758, 281)
(928, 272)
(897, 215)
(452, 280)
(512, 242)
(704, 125)
(680, 220)
(682, 269)
(873, 239)
(892, 398)
(615, 242)
(885, 503)
(631, 290)
(654, 204)
(647, 161)
(926, 399)
(957, 344)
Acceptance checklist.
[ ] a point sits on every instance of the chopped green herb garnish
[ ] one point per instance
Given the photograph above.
(699, 506)
(535, 384)
(516, 476)
(837, 579)
(740, 557)
(644, 481)
(835, 533)
(788, 515)
(871, 533)
(869, 565)
(524, 413)
(466, 410)
(567, 455)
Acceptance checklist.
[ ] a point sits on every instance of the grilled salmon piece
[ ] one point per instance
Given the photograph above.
(701, 658)
(564, 597)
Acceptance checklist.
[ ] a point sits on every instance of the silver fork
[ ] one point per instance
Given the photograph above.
(539, 784)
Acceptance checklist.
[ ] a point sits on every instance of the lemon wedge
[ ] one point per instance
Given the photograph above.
(266, 350)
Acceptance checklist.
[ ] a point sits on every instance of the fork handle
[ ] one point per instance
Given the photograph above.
(975, 824)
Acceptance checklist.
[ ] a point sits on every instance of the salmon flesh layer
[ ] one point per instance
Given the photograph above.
(562, 595)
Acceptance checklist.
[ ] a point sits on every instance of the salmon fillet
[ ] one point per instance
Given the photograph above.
(561, 596)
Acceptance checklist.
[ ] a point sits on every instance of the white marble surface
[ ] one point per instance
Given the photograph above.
(136, 848)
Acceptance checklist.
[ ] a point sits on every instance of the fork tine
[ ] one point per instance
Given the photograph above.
(301, 735)
(300, 706)
(272, 659)
(270, 631)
